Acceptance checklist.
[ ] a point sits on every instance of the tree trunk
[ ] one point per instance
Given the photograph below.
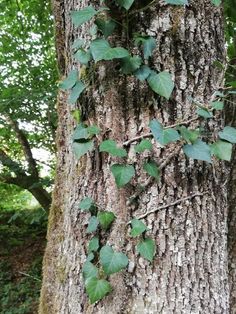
(189, 272)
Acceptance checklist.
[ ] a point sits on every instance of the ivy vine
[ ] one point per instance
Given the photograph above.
(102, 261)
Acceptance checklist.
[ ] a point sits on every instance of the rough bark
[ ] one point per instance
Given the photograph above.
(189, 273)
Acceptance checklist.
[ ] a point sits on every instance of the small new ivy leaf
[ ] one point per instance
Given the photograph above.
(143, 145)
(93, 130)
(204, 113)
(222, 150)
(110, 147)
(143, 72)
(122, 173)
(105, 219)
(217, 105)
(190, 136)
(130, 64)
(198, 150)
(93, 224)
(138, 227)
(146, 248)
(89, 271)
(161, 83)
(148, 46)
(97, 289)
(105, 26)
(93, 245)
(81, 149)
(76, 92)
(125, 3)
(83, 16)
(152, 169)
(70, 81)
(177, 2)
(228, 134)
(86, 204)
(111, 261)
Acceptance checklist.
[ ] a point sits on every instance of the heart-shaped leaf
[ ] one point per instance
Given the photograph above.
(130, 64)
(81, 149)
(111, 261)
(83, 16)
(143, 145)
(70, 81)
(143, 72)
(152, 169)
(228, 134)
(105, 26)
(93, 245)
(97, 289)
(163, 136)
(105, 219)
(86, 204)
(89, 271)
(198, 150)
(222, 150)
(110, 147)
(138, 227)
(122, 173)
(146, 248)
(161, 83)
(76, 92)
(93, 224)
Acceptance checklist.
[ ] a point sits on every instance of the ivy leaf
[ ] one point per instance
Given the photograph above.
(115, 53)
(93, 224)
(216, 2)
(228, 134)
(86, 204)
(93, 245)
(163, 136)
(105, 219)
(81, 149)
(70, 81)
(98, 48)
(142, 146)
(105, 26)
(83, 56)
(161, 83)
(111, 261)
(93, 130)
(148, 46)
(81, 132)
(143, 73)
(199, 150)
(222, 150)
(152, 169)
(83, 16)
(146, 248)
(190, 136)
(130, 64)
(90, 257)
(204, 113)
(76, 92)
(177, 2)
(89, 271)
(138, 227)
(97, 289)
(78, 43)
(217, 105)
(122, 173)
(110, 147)
(125, 3)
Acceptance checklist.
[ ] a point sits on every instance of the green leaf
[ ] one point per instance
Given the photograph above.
(143, 73)
(110, 147)
(217, 105)
(98, 48)
(122, 173)
(90, 257)
(81, 149)
(125, 3)
(83, 16)
(93, 130)
(86, 204)
(106, 26)
(199, 150)
(83, 56)
(190, 136)
(204, 113)
(97, 289)
(163, 136)
(222, 150)
(130, 64)
(161, 83)
(70, 81)
(148, 46)
(76, 115)
(216, 2)
(228, 134)
(81, 132)
(143, 145)
(93, 245)
(152, 169)
(93, 224)
(76, 92)
(146, 248)
(89, 271)
(78, 43)
(111, 261)
(105, 219)
(138, 227)
(116, 53)
(177, 2)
